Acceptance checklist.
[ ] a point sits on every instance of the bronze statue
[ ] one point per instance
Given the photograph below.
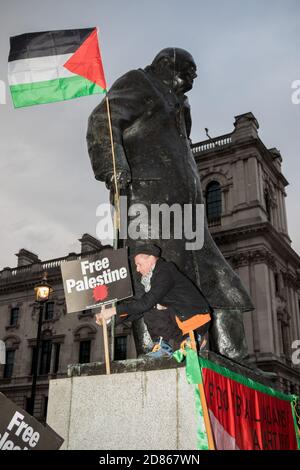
(151, 126)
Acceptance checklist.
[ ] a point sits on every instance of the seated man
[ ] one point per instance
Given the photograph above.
(172, 305)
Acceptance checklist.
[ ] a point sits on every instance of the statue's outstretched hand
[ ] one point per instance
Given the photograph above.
(123, 180)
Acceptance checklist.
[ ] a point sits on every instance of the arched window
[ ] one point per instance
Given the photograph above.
(11, 345)
(213, 203)
(84, 334)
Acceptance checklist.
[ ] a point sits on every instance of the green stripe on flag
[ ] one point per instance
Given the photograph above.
(202, 440)
(60, 89)
(296, 419)
(194, 376)
(207, 364)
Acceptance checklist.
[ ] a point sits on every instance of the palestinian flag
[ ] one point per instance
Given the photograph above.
(53, 66)
(247, 415)
(241, 414)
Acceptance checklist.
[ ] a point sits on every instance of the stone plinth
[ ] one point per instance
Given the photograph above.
(141, 405)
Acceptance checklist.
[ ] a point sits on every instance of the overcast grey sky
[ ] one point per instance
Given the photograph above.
(248, 55)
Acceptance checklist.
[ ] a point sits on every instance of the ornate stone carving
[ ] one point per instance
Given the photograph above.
(12, 342)
(60, 308)
(252, 257)
(85, 331)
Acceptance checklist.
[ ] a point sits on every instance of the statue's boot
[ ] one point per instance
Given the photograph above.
(227, 334)
(227, 337)
(264, 373)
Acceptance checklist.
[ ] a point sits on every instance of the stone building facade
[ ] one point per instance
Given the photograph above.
(66, 338)
(244, 190)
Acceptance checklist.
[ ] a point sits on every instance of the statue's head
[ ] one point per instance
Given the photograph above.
(176, 67)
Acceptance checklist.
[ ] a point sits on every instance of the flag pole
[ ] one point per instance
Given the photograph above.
(209, 433)
(117, 193)
(116, 218)
(116, 221)
(106, 350)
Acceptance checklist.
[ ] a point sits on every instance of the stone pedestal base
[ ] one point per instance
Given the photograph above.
(141, 405)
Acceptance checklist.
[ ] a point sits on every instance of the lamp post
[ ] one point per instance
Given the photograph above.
(42, 292)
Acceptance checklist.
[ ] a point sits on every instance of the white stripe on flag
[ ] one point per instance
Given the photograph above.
(223, 440)
(38, 69)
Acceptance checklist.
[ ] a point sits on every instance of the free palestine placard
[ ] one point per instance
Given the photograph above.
(97, 280)
(20, 431)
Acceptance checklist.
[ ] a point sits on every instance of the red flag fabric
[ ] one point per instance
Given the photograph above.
(251, 417)
(87, 61)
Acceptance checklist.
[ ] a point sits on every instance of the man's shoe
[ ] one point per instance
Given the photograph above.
(201, 340)
(160, 349)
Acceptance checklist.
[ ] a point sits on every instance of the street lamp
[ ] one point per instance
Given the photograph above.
(42, 292)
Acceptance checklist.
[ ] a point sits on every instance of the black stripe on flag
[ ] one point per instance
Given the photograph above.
(47, 43)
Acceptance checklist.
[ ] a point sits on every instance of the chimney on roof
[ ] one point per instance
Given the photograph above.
(26, 257)
(89, 243)
(246, 126)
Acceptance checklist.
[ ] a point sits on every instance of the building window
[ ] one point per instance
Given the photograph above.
(46, 348)
(213, 203)
(85, 313)
(9, 364)
(27, 404)
(285, 339)
(268, 204)
(84, 352)
(276, 281)
(49, 311)
(56, 358)
(14, 316)
(120, 348)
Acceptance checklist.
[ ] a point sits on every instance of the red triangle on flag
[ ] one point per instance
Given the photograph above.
(87, 62)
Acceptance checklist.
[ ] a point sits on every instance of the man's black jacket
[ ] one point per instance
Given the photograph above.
(171, 288)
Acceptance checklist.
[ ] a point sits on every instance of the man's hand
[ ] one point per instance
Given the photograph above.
(105, 314)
